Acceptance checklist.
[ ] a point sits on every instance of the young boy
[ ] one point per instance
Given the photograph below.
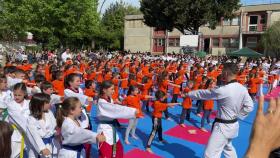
(47, 88)
(187, 105)
(159, 107)
(58, 84)
(13, 75)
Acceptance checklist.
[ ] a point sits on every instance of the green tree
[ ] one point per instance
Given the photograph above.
(186, 15)
(53, 23)
(14, 17)
(270, 40)
(113, 24)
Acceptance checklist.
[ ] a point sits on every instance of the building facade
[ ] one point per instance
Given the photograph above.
(244, 30)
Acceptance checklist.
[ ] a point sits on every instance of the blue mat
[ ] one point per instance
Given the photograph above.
(177, 148)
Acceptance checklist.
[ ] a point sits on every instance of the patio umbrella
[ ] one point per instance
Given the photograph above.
(245, 52)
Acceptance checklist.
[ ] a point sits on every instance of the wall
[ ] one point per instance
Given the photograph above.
(275, 16)
(137, 36)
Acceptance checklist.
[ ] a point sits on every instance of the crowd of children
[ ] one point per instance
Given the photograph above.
(48, 105)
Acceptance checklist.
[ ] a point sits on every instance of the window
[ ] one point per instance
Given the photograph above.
(226, 22)
(160, 42)
(226, 42)
(216, 42)
(252, 42)
(253, 25)
(171, 42)
(174, 42)
(235, 21)
(253, 20)
(234, 43)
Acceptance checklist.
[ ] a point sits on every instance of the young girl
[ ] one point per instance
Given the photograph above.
(18, 110)
(187, 105)
(74, 136)
(147, 85)
(41, 126)
(72, 85)
(90, 91)
(208, 105)
(163, 87)
(47, 88)
(5, 96)
(5, 141)
(107, 113)
(133, 100)
(159, 106)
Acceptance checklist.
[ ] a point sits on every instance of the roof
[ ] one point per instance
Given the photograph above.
(134, 17)
(248, 8)
(261, 7)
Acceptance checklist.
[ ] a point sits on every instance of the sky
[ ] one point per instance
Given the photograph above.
(137, 3)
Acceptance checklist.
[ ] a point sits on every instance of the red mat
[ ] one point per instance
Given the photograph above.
(123, 121)
(273, 94)
(179, 132)
(137, 153)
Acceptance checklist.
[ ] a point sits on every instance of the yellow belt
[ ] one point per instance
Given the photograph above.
(22, 142)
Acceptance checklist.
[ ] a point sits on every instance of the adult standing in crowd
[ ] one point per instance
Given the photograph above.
(234, 102)
(66, 55)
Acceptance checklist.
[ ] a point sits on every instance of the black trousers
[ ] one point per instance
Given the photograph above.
(199, 106)
(157, 129)
(185, 114)
(146, 105)
(174, 98)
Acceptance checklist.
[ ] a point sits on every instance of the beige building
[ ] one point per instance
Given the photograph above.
(243, 31)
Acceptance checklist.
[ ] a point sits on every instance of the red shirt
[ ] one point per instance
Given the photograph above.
(187, 103)
(134, 102)
(208, 104)
(159, 107)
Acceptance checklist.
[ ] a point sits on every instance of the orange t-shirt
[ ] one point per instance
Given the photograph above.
(208, 104)
(124, 83)
(253, 85)
(145, 89)
(99, 78)
(197, 82)
(134, 102)
(116, 88)
(59, 87)
(159, 107)
(178, 81)
(90, 92)
(107, 77)
(187, 103)
(164, 86)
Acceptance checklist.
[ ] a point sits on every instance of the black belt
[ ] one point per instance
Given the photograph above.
(218, 120)
(114, 123)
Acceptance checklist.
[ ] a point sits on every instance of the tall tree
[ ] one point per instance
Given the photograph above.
(270, 40)
(53, 22)
(113, 23)
(186, 15)
(14, 17)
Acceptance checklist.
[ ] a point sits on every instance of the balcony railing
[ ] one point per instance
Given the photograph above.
(253, 28)
(256, 28)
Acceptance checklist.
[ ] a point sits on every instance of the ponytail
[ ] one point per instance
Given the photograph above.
(59, 115)
(64, 109)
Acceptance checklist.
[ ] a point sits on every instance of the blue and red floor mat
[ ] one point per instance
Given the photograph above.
(181, 144)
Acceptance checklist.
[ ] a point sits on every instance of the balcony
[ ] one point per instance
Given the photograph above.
(255, 29)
